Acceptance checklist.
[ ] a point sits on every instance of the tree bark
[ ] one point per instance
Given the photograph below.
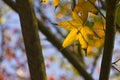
(31, 39)
(109, 40)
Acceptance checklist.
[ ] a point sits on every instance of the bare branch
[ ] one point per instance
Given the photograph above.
(97, 9)
(95, 61)
(116, 61)
(73, 4)
(31, 38)
(103, 4)
(109, 40)
(115, 68)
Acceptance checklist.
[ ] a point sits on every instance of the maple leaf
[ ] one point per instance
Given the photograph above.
(83, 7)
(77, 32)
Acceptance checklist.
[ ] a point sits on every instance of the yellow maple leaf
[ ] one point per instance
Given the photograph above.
(72, 36)
(83, 7)
(77, 31)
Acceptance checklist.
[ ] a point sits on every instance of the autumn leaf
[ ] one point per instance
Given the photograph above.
(77, 32)
(83, 7)
(44, 0)
(55, 2)
(72, 36)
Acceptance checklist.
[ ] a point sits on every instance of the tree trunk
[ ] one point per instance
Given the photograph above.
(31, 39)
(109, 40)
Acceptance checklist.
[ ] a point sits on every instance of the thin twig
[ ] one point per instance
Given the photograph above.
(73, 5)
(116, 61)
(102, 20)
(97, 9)
(80, 54)
(95, 61)
(103, 4)
(48, 19)
(115, 68)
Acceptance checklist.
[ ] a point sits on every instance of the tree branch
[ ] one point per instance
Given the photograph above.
(97, 9)
(65, 52)
(95, 60)
(103, 4)
(109, 40)
(31, 39)
(11, 4)
(73, 4)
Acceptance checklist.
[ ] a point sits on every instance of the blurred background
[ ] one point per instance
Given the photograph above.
(13, 61)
